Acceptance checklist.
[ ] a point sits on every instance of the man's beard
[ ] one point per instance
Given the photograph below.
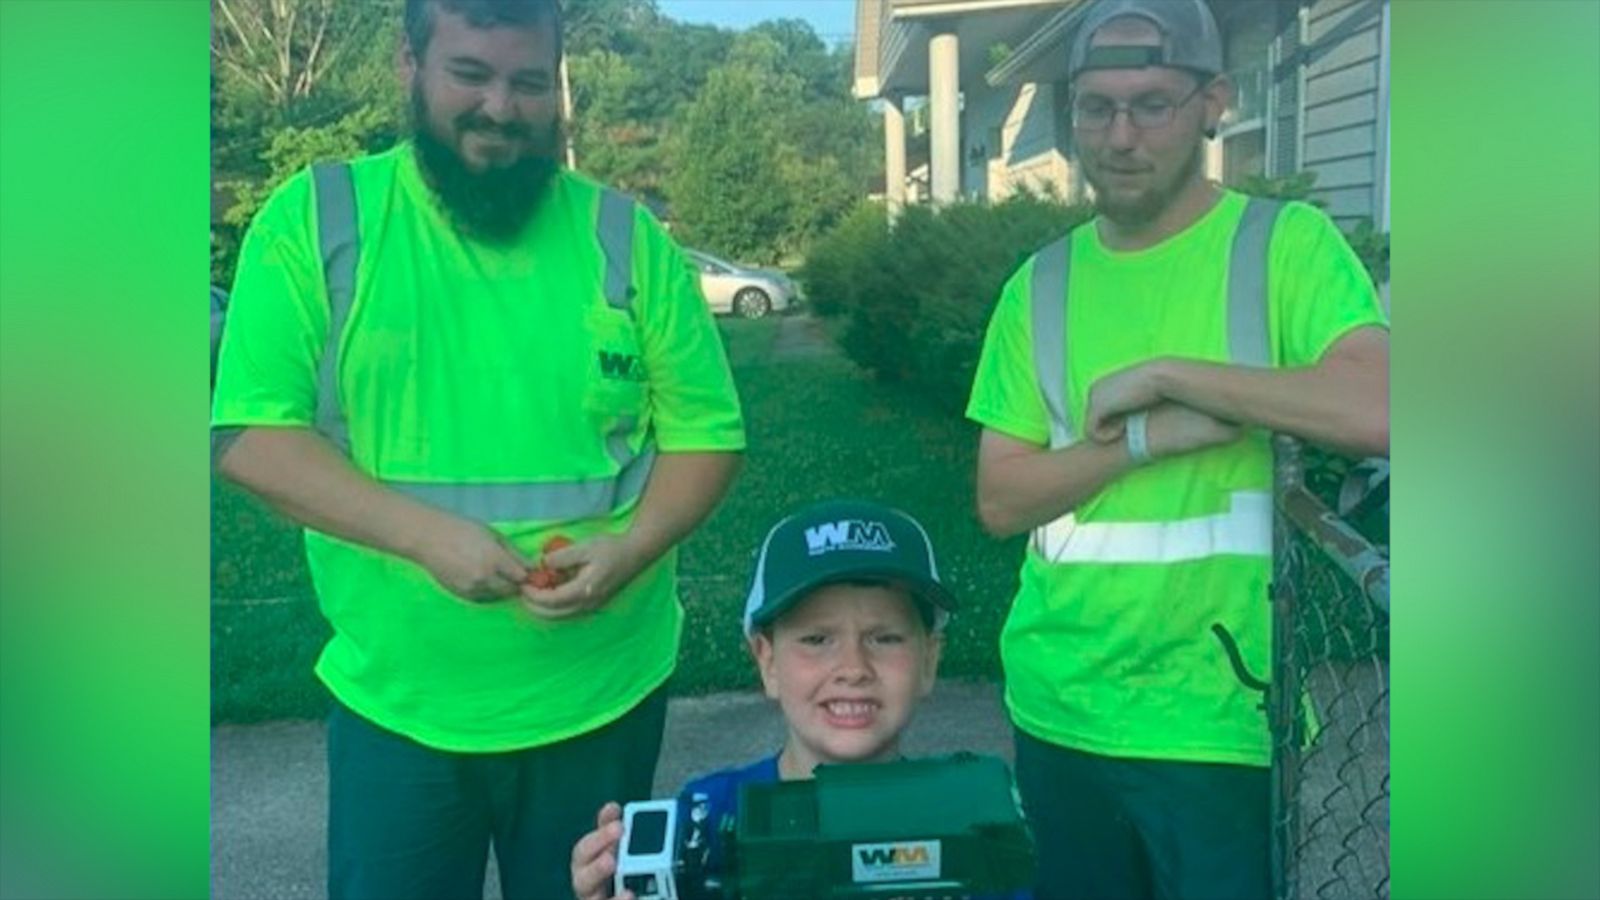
(1144, 208)
(494, 204)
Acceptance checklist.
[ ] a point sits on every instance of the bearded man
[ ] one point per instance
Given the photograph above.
(1131, 376)
(437, 359)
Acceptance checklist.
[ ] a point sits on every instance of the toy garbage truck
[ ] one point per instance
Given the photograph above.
(945, 827)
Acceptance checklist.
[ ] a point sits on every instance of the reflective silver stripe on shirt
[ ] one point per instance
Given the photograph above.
(535, 501)
(1249, 333)
(615, 231)
(1047, 301)
(339, 239)
(617, 441)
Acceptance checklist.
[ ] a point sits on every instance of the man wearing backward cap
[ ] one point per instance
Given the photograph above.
(1130, 380)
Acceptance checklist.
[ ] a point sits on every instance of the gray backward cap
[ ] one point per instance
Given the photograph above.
(1190, 39)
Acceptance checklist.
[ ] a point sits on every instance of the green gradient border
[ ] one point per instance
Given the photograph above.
(1496, 399)
(103, 448)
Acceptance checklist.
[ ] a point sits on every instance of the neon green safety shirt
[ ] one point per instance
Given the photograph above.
(503, 370)
(1111, 645)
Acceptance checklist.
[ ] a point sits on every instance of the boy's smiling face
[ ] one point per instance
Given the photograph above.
(847, 666)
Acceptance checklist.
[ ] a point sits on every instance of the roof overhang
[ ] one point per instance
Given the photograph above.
(893, 36)
(1042, 57)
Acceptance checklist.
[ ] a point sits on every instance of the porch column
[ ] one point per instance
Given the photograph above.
(944, 87)
(894, 155)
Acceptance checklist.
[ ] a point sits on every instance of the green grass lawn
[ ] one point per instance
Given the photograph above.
(817, 428)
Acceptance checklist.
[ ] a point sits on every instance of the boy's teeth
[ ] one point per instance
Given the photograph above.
(846, 708)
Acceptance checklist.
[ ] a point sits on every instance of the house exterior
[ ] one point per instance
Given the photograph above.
(982, 85)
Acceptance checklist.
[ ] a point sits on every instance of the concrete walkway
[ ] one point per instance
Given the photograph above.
(269, 782)
(802, 336)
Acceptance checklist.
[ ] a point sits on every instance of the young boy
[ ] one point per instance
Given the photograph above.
(845, 620)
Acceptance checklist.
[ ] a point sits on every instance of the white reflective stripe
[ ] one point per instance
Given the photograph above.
(1244, 530)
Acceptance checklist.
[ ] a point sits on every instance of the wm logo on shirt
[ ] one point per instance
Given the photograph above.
(848, 534)
(621, 366)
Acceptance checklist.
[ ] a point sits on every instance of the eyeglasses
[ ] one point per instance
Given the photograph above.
(1095, 113)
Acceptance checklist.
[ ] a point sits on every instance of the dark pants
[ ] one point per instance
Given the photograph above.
(1130, 829)
(408, 821)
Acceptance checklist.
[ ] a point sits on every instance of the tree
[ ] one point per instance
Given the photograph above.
(291, 150)
(751, 140)
(727, 184)
(614, 25)
(286, 48)
(615, 141)
(803, 55)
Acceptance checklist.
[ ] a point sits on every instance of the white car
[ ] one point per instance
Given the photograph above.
(740, 290)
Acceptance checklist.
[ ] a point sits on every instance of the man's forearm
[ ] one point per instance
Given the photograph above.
(301, 476)
(1344, 407)
(683, 489)
(1019, 489)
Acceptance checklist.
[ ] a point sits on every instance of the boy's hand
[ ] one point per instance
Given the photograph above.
(594, 857)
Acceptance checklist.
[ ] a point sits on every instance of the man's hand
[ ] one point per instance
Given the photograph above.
(594, 857)
(1174, 429)
(1116, 395)
(469, 560)
(600, 566)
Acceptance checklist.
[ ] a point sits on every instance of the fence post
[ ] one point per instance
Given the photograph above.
(1283, 691)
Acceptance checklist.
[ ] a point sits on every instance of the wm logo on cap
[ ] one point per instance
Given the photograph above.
(848, 534)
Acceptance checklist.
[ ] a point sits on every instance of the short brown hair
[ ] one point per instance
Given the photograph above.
(481, 14)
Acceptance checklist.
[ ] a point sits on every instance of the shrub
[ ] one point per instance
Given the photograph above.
(846, 259)
(915, 299)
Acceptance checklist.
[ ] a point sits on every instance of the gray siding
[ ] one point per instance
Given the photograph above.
(1362, 109)
(1342, 143)
(1339, 131)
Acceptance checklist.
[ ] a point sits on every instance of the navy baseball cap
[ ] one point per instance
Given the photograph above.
(844, 540)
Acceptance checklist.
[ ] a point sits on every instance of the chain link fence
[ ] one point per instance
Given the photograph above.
(1329, 695)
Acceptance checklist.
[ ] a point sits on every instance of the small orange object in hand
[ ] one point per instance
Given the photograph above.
(543, 577)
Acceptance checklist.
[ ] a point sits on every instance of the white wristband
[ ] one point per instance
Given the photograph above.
(1138, 439)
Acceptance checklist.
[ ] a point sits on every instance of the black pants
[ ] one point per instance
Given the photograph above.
(1131, 829)
(408, 821)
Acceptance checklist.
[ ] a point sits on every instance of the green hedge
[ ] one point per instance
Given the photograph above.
(915, 299)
